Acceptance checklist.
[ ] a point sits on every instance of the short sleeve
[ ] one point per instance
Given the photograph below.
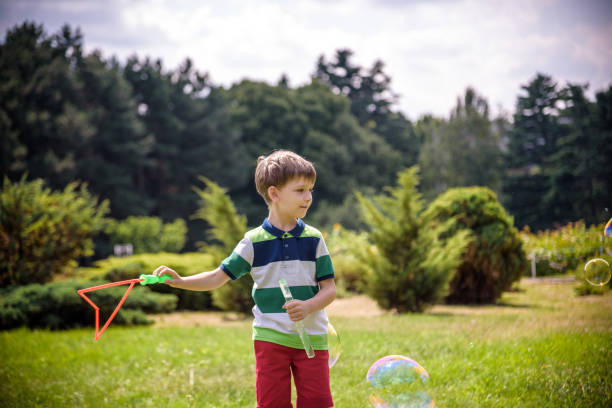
(240, 261)
(324, 266)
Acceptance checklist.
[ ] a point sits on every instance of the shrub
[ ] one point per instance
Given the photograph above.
(43, 231)
(227, 228)
(494, 259)
(148, 234)
(57, 305)
(116, 269)
(351, 273)
(409, 267)
(565, 249)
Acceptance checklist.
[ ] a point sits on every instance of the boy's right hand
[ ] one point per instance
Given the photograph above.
(164, 270)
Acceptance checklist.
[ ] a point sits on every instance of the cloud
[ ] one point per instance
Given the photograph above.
(432, 50)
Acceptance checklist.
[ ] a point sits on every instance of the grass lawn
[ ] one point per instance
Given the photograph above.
(541, 346)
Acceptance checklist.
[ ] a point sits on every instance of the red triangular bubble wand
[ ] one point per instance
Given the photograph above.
(143, 280)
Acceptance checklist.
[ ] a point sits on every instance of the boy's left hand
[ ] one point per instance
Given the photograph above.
(297, 310)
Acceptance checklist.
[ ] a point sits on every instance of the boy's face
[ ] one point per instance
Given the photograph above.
(295, 197)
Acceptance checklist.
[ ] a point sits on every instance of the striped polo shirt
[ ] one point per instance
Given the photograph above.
(299, 256)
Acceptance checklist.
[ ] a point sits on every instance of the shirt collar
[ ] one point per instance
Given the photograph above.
(296, 232)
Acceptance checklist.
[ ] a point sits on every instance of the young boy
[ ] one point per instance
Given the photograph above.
(283, 247)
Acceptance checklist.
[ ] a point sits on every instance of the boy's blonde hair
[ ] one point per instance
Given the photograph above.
(279, 167)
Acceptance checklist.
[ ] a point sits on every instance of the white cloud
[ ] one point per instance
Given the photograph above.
(433, 50)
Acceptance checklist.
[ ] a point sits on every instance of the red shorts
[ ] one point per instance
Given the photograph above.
(273, 366)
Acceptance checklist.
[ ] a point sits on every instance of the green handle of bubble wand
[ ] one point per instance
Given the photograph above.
(298, 325)
(150, 279)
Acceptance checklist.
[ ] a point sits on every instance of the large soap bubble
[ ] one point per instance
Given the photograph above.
(398, 381)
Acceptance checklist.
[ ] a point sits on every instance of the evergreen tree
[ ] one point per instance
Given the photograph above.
(463, 151)
(188, 124)
(410, 268)
(580, 176)
(533, 142)
(369, 91)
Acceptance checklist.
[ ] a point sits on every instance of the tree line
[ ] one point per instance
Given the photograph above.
(141, 135)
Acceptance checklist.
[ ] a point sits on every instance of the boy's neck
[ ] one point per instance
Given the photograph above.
(286, 223)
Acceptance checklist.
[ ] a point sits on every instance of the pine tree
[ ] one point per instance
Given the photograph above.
(410, 268)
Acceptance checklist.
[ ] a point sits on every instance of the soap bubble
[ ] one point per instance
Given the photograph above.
(333, 344)
(398, 382)
(607, 237)
(597, 272)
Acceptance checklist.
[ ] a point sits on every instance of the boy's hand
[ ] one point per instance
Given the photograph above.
(297, 310)
(164, 270)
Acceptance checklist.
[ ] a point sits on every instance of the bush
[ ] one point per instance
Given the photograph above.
(116, 269)
(351, 273)
(494, 259)
(409, 267)
(43, 231)
(565, 249)
(148, 234)
(58, 306)
(227, 228)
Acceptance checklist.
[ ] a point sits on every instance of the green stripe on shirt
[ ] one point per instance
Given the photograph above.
(318, 341)
(237, 265)
(271, 300)
(324, 267)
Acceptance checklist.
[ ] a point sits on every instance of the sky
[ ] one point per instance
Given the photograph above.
(433, 50)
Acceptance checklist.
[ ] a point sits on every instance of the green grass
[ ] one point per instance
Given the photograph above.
(539, 347)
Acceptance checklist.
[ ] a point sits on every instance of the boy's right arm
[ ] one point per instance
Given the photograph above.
(202, 281)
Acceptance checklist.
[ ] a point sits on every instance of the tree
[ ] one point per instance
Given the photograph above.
(187, 121)
(494, 258)
(532, 143)
(44, 231)
(37, 83)
(314, 122)
(410, 267)
(371, 97)
(369, 92)
(70, 116)
(463, 151)
(580, 177)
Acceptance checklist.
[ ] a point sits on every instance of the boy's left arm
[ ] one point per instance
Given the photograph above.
(299, 309)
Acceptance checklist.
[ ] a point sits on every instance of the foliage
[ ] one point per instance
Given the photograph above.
(371, 97)
(44, 231)
(115, 269)
(188, 120)
(494, 259)
(140, 135)
(148, 234)
(557, 153)
(316, 123)
(410, 267)
(57, 305)
(564, 249)
(464, 150)
(350, 272)
(580, 174)
(227, 228)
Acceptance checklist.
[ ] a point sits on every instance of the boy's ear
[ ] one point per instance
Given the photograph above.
(273, 193)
